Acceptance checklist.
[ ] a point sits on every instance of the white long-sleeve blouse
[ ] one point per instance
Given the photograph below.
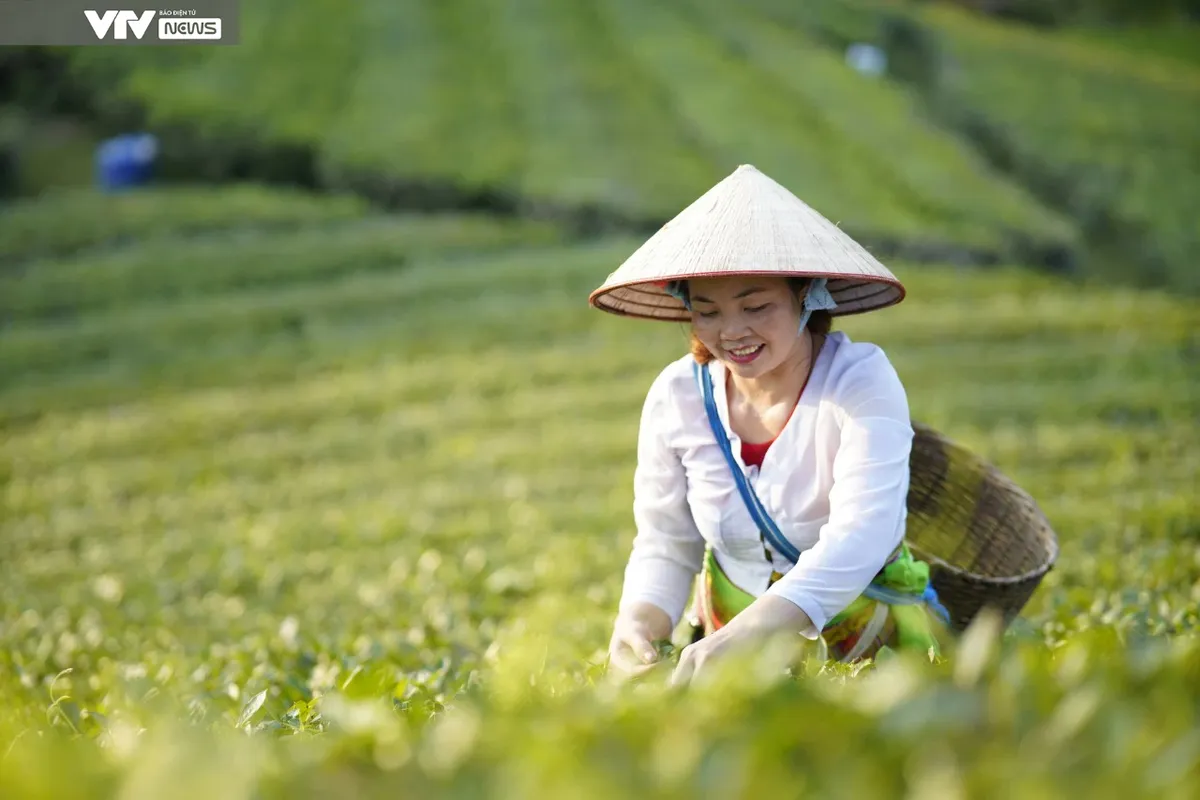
(835, 481)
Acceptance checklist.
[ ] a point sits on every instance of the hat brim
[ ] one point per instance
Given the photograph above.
(648, 300)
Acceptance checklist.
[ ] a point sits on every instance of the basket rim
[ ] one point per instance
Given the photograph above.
(1049, 538)
(1038, 572)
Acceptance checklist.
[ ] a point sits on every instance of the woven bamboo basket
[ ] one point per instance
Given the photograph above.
(985, 539)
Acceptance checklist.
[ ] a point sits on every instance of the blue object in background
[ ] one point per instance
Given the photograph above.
(126, 161)
(867, 59)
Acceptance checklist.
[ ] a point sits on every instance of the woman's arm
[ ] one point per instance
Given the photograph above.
(868, 498)
(668, 549)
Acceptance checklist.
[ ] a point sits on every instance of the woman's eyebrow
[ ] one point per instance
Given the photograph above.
(738, 296)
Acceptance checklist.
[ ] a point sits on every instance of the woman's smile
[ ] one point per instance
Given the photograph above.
(744, 355)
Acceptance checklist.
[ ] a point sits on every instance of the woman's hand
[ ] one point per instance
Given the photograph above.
(765, 617)
(632, 650)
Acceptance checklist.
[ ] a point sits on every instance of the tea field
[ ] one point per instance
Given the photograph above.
(626, 108)
(301, 499)
(1053, 148)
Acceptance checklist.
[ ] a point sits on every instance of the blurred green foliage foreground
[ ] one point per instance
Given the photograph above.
(302, 498)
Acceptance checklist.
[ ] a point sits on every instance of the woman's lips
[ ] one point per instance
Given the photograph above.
(744, 355)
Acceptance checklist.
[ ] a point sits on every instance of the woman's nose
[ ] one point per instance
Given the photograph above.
(734, 327)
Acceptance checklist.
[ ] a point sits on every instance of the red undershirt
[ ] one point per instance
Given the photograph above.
(753, 452)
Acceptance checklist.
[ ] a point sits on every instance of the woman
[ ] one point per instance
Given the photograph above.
(773, 459)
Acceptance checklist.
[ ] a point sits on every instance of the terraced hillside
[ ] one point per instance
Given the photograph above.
(1055, 149)
(628, 108)
(89, 304)
(305, 451)
(1121, 131)
(1104, 128)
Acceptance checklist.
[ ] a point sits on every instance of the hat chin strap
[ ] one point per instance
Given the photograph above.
(817, 298)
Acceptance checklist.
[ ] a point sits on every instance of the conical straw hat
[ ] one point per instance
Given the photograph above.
(746, 224)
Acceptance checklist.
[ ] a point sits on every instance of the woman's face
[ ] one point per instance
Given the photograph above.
(748, 322)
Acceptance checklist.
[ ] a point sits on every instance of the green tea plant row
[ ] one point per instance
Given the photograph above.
(630, 108)
(430, 99)
(63, 222)
(598, 128)
(1162, 40)
(142, 334)
(156, 267)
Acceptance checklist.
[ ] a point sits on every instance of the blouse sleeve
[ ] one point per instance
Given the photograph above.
(668, 549)
(867, 503)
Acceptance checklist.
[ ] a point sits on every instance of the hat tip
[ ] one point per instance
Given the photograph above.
(745, 168)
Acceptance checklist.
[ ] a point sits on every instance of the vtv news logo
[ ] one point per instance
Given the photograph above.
(120, 22)
(170, 27)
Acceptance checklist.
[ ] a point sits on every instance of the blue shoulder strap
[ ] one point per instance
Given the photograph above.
(765, 524)
(764, 521)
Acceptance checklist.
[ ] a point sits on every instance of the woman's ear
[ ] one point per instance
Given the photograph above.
(800, 288)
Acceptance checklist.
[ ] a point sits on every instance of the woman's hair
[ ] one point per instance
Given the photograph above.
(819, 322)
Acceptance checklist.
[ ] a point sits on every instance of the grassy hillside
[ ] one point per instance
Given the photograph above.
(402, 470)
(1123, 127)
(630, 108)
(1103, 127)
